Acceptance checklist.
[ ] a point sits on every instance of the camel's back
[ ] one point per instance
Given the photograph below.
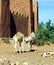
(18, 35)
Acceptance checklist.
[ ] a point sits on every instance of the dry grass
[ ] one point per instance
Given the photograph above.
(32, 58)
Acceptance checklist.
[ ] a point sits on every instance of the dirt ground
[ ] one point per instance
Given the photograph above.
(31, 58)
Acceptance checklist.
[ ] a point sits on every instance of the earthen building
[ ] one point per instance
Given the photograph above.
(18, 15)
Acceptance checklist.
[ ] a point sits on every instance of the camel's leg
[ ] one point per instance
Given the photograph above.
(29, 46)
(19, 49)
(15, 47)
(22, 47)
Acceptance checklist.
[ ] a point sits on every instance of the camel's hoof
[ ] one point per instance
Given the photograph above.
(23, 52)
(15, 52)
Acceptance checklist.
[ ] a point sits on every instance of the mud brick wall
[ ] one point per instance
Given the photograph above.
(0, 17)
(23, 7)
(0, 11)
(5, 18)
(35, 13)
(18, 15)
(20, 22)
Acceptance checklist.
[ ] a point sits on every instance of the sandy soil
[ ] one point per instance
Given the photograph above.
(32, 58)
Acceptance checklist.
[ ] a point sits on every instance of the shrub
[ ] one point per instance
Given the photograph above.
(44, 33)
(6, 40)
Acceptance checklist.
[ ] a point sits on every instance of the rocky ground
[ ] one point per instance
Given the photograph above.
(8, 57)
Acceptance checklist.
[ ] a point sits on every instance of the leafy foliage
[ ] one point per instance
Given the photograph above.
(45, 33)
(6, 40)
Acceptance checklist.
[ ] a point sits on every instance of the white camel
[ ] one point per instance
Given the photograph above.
(18, 38)
(29, 40)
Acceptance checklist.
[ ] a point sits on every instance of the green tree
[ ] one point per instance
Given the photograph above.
(48, 25)
(44, 33)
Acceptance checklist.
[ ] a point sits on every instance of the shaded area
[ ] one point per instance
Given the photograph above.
(32, 22)
(12, 25)
(32, 16)
(33, 50)
(18, 23)
(21, 22)
(5, 18)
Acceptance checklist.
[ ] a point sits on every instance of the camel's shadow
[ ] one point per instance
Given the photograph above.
(27, 51)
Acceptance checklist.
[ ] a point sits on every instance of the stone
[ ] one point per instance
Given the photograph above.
(25, 63)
